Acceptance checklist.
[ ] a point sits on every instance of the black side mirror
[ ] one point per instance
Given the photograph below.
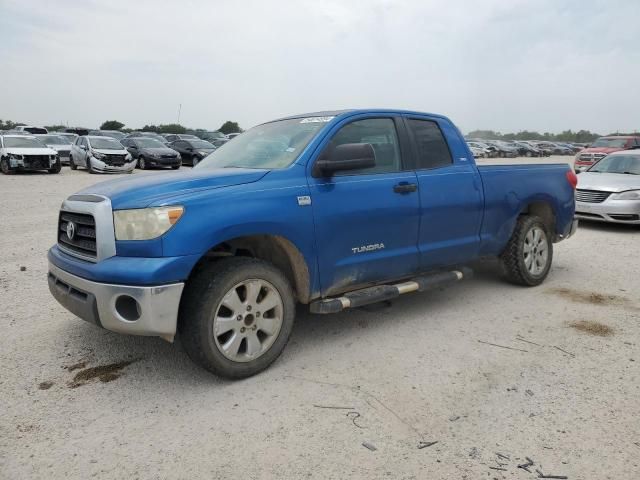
(348, 156)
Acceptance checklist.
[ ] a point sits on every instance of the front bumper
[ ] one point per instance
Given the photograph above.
(29, 163)
(101, 166)
(614, 211)
(163, 162)
(134, 310)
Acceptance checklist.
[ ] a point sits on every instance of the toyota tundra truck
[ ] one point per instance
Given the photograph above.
(335, 210)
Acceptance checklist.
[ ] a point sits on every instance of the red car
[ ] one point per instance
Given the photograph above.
(603, 147)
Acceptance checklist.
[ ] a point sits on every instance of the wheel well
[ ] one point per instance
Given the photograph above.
(274, 249)
(544, 211)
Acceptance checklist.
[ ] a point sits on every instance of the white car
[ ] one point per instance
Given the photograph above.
(100, 155)
(610, 190)
(56, 142)
(25, 152)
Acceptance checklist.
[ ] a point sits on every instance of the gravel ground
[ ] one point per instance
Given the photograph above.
(567, 397)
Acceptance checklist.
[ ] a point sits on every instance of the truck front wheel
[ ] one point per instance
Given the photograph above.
(236, 316)
(529, 253)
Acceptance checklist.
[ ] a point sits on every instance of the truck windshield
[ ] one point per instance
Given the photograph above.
(610, 142)
(629, 164)
(271, 145)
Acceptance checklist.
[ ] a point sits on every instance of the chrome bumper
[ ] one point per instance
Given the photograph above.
(150, 311)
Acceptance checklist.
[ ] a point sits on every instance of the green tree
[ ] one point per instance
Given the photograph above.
(111, 125)
(171, 128)
(230, 127)
(55, 128)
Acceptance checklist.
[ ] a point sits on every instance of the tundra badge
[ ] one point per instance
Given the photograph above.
(368, 248)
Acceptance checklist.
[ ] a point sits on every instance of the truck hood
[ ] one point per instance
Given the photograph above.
(31, 151)
(600, 150)
(140, 191)
(608, 182)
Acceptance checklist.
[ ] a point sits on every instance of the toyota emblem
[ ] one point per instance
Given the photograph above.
(71, 230)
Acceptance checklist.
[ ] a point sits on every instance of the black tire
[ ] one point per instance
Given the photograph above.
(72, 165)
(56, 168)
(513, 256)
(142, 163)
(4, 167)
(203, 293)
(528, 154)
(175, 167)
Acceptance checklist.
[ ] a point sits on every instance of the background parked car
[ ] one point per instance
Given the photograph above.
(77, 130)
(154, 135)
(100, 154)
(504, 150)
(216, 138)
(610, 190)
(555, 148)
(24, 152)
(489, 150)
(192, 151)
(30, 129)
(232, 135)
(108, 133)
(60, 144)
(477, 152)
(151, 153)
(602, 147)
(526, 150)
(68, 135)
(173, 137)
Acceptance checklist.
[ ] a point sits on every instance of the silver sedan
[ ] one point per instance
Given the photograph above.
(610, 190)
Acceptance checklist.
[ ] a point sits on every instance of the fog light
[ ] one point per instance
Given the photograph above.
(128, 308)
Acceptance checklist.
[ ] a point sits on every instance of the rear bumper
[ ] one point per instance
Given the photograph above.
(571, 230)
(135, 310)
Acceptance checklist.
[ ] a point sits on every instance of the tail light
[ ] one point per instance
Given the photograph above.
(572, 178)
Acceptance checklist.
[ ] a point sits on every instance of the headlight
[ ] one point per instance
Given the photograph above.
(628, 195)
(16, 156)
(97, 155)
(127, 157)
(204, 154)
(145, 223)
(155, 155)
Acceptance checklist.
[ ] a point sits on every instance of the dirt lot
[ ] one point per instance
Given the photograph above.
(79, 402)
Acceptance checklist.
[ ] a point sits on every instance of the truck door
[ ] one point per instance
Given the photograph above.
(367, 220)
(450, 190)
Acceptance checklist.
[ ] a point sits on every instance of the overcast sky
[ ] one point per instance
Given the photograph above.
(506, 65)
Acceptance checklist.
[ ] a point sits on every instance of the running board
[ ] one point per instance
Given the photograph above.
(381, 293)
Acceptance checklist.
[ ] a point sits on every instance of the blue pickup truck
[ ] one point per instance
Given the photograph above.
(333, 209)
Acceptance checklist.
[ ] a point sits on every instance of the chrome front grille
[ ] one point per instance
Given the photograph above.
(591, 157)
(91, 236)
(77, 232)
(591, 196)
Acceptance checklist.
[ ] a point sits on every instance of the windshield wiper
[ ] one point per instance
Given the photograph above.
(631, 173)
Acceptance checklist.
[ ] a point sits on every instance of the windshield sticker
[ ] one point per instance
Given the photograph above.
(290, 149)
(317, 119)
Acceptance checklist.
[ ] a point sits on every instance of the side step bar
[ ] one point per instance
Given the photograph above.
(381, 293)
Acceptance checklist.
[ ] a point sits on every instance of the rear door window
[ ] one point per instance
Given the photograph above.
(432, 150)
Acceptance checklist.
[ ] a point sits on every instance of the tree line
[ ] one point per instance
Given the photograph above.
(581, 136)
(226, 128)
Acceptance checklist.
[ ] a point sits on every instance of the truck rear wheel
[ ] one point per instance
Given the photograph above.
(529, 253)
(236, 316)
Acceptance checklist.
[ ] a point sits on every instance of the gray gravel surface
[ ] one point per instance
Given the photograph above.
(412, 372)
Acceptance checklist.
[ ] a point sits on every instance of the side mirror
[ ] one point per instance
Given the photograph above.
(348, 156)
